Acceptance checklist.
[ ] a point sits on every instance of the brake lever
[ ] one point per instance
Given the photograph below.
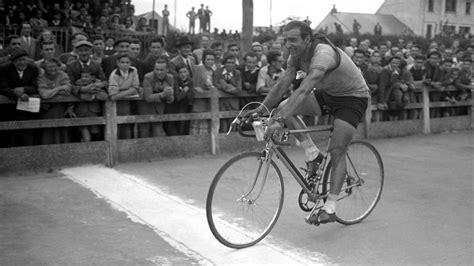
(232, 125)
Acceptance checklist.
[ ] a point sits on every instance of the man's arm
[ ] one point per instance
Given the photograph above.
(280, 89)
(300, 95)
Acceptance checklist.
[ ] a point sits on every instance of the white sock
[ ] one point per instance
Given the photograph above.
(330, 204)
(310, 149)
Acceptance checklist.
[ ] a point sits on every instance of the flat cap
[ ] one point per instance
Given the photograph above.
(17, 53)
(83, 43)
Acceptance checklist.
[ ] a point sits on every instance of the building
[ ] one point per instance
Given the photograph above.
(389, 23)
(432, 17)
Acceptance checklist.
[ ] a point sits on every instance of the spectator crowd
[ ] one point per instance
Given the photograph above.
(167, 81)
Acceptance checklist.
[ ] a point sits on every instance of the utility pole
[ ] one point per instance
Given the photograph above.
(175, 12)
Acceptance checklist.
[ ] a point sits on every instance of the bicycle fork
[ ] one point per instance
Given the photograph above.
(265, 161)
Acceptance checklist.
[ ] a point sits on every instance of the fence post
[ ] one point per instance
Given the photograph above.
(111, 132)
(472, 109)
(214, 120)
(426, 111)
(368, 118)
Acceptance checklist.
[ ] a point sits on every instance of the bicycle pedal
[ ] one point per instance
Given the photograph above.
(312, 221)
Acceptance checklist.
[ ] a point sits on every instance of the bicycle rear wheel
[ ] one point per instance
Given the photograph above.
(238, 214)
(363, 183)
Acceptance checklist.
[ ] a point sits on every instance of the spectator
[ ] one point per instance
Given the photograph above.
(48, 52)
(53, 83)
(351, 47)
(123, 83)
(157, 90)
(183, 100)
(156, 51)
(258, 50)
(13, 43)
(109, 46)
(142, 25)
(389, 75)
(464, 82)
(269, 74)
(372, 76)
(66, 58)
(400, 92)
(128, 24)
(165, 21)
(202, 19)
(228, 79)
(98, 48)
(378, 30)
(135, 48)
(184, 45)
(88, 83)
(28, 43)
(121, 46)
(218, 48)
(208, 14)
(38, 23)
(47, 36)
(234, 50)
(19, 81)
(202, 81)
(249, 72)
(115, 24)
(433, 80)
(204, 44)
(192, 15)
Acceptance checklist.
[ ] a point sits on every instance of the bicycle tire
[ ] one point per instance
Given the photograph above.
(365, 166)
(232, 222)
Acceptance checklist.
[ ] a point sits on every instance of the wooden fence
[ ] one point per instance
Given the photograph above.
(112, 150)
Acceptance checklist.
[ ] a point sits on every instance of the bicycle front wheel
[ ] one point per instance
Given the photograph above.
(363, 183)
(243, 204)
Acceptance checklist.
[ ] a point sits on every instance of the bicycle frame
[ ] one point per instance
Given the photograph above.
(273, 147)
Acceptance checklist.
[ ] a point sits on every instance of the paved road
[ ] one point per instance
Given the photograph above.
(152, 213)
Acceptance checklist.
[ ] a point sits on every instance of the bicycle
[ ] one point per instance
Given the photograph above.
(241, 210)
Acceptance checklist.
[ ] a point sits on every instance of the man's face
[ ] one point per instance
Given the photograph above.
(209, 61)
(156, 48)
(446, 65)
(185, 50)
(358, 58)
(353, 42)
(219, 50)
(48, 51)
(466, 65)
(278, 63)
(383, 49)
(234, 50)
(395, 63)
(122, 48)
(51, 68)
(160, 70)
(99, 46)
(276, 47)
(205, 42)
(15, 43)
(84, 53)
(294, 43)
(124, 63)
(258, 50)
(230, 64)
(26, 30)
(251, 62)
(183, 73)
(21, 63)
(419, 63)
(135, 50)
(375, 58)
(434, 60)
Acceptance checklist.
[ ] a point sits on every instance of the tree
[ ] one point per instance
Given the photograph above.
(247, 25)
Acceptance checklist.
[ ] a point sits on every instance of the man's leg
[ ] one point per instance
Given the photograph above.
(342, 136)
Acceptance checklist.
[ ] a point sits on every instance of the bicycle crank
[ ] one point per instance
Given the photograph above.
(306, 204)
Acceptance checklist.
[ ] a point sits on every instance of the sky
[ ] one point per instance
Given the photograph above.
(227, 14)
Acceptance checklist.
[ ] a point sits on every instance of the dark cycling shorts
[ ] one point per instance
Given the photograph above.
(347, 108)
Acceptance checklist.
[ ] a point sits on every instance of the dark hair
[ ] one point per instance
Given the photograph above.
(434, 53)
(97, 37)
(79, 33)
(51, 60)
(232, 45)
(206, 53)
(135, 41)
(180, 66)
(394, 57)
(272, 56)
(120, 56)
(420, 56)
(216, 44)
(162, 59)
(304, 28)
(359, 51)
(250, 54)
(11, 37)
(227, 57)
(447, 61)
(158, 39)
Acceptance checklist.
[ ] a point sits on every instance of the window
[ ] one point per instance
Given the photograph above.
(468, 8)
(450, 5)
(430, 5)
(464, 30)
(429, 29)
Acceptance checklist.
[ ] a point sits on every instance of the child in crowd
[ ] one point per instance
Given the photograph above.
(123, 84)
(183, 100)
(89, 108)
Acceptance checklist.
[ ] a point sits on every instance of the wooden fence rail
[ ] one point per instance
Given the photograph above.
(112, 150)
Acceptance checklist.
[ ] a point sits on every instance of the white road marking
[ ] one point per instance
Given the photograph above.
(182, 225)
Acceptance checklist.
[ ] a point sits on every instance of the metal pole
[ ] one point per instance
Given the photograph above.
(153, 17)
(271, 14)
(175, 12)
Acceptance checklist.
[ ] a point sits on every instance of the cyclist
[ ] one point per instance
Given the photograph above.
(331, 83)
